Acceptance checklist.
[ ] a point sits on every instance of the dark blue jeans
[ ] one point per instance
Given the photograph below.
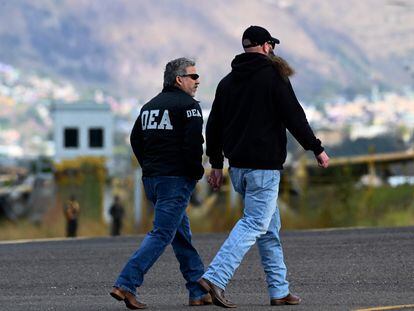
(170, 196)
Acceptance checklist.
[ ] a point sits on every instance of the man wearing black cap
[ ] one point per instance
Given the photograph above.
(253, 107)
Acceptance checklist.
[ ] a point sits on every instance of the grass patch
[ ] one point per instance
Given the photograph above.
(333, 205)
(336, 206)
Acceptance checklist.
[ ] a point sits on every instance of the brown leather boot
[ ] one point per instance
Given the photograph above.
(130, 301)
(216, 293)
(205, 300)
(288, 300)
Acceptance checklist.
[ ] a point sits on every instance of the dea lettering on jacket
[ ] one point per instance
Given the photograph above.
(193, 113)
(150, 119)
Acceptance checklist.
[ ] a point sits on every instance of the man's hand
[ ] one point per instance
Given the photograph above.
(323, 159)
(216, 178)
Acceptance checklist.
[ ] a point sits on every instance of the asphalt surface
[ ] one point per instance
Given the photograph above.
(330, 270)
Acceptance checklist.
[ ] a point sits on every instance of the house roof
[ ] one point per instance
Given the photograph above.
(79, 106)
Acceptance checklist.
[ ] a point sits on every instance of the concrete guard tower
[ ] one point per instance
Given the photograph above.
(82, 129)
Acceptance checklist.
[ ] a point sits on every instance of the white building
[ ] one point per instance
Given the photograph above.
(82, 129)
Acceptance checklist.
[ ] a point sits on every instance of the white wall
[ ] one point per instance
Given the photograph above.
(83, 117)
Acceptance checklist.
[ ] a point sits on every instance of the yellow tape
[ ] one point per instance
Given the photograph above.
(387, 308)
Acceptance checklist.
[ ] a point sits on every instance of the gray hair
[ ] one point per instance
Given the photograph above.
(174, 68)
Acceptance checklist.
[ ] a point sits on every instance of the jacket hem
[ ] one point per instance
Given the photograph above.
(256, 165)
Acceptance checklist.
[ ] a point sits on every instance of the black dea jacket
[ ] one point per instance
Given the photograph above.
(167, 135)
(253, 107)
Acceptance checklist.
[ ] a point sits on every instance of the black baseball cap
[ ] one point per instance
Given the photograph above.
(256, 35)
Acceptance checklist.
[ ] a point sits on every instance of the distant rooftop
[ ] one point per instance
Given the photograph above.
(79, 105)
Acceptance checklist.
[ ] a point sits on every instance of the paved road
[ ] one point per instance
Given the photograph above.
(331, 270)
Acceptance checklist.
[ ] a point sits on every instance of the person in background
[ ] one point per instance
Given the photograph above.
(117, 213)
(71, 211)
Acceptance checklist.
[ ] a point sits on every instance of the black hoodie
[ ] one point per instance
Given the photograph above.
(167, 136)
(252, 108)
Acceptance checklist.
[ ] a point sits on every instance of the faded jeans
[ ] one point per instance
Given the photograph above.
(261, 223)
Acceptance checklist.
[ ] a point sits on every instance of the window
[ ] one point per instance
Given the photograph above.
(71, 139)
(96, 137)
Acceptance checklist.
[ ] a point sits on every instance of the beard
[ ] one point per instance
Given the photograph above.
(281, 65)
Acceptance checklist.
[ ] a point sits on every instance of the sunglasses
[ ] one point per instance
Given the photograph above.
(272, 44)
(193, 76)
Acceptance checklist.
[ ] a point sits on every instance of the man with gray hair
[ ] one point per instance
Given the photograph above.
(167, 142)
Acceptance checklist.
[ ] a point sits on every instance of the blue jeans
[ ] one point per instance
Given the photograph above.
(170, 196)
(261, 222)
